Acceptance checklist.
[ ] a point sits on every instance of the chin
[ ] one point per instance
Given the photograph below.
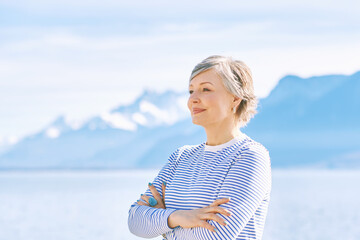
(197, 122)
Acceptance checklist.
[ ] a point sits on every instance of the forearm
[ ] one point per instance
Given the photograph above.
(200, 233)
(148, 222)
(173, 219)
(184, 227)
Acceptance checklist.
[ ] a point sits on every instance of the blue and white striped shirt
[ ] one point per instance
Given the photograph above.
(197, 175)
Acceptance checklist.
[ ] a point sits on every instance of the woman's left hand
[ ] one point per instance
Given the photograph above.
(160, 200)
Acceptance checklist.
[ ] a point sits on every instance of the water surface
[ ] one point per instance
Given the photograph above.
(57, 205)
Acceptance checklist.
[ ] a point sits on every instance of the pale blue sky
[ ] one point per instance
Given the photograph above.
(82, 58)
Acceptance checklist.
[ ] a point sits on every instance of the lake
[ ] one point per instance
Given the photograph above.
(58, 205)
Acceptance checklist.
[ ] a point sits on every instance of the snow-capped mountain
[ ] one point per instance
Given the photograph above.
(312, 122)
(101, 141)
(150, 110)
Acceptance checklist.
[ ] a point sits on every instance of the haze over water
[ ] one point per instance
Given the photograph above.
(305, 204)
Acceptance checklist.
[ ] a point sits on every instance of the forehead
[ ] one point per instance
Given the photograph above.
(206, 77)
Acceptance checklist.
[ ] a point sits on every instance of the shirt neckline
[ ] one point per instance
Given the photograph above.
(224, 145)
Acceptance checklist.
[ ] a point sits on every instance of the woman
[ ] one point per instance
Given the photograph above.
(219, 189)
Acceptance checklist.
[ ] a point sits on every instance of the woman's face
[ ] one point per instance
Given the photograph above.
(209, 102)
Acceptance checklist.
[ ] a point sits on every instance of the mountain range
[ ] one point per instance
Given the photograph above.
(303, 122)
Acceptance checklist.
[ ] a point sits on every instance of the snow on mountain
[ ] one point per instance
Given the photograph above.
(6, 142)
(57, 127)
(152, 109)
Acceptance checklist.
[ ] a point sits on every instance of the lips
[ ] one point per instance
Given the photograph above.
(198, 110)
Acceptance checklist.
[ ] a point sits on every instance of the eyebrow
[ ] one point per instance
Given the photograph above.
(202, 83)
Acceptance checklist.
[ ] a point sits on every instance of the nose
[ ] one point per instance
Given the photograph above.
(194, 98)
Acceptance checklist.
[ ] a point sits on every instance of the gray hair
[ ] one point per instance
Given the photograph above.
(237, 79)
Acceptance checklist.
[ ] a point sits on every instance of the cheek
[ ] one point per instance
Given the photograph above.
(219, 106)
(188, 104)
(213, 102)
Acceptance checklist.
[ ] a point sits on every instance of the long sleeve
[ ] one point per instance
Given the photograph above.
(149, 222)
(247, 183)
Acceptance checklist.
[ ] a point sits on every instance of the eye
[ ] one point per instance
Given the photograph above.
(190, 91)
(206, 89)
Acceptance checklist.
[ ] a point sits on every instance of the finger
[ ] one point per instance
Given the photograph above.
(142, 203)
(163, 190)
(207, 225)
(217, 209)
(145, 198)
(154, 192)
(214, 217)
(220, 201)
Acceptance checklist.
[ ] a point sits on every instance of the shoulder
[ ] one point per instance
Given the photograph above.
(248, 144)
(253, 152)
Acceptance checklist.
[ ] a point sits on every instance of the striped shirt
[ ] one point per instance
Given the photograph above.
(197, 175)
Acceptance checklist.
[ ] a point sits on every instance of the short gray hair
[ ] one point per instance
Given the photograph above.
(237, 79)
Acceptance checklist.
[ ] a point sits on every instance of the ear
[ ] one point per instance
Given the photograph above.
(237, 100)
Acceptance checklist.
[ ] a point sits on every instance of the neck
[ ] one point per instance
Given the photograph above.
(217, 135)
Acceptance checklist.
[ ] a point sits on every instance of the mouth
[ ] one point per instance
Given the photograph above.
(196, 111)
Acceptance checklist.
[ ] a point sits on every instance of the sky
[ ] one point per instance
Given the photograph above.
(83, 58)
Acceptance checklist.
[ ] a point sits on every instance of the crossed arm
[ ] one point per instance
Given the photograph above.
(246, 184)
(188, 218)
